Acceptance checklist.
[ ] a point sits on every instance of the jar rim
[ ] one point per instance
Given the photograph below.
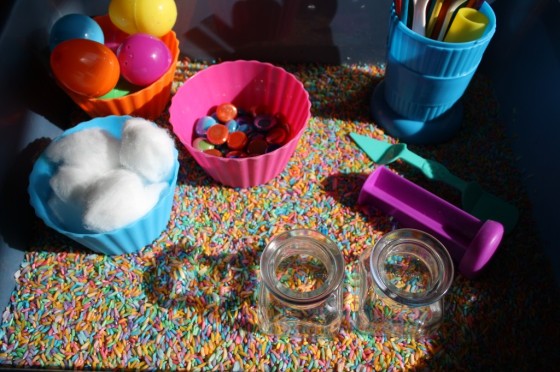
(441, 277)
(311, 243)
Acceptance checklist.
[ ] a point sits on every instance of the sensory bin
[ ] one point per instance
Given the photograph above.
(187, 301)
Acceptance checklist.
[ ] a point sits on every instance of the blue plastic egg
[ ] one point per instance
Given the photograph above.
(75, 26)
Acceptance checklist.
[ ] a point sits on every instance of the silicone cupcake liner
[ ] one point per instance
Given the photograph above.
(246, 84)
(128, 239)
(148, 102)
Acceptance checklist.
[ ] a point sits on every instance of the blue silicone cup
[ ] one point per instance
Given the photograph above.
(426, 77)
(437, 58)
(128, 239)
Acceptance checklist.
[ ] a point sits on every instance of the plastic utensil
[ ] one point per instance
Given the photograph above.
(469, 24)
(419, 16)
(398, 5)
(433, 16)
(470, 242)
(451, 11)
(475, 4)
(404, 16)
(474, 199)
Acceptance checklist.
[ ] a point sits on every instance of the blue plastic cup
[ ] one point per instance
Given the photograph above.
(419, 99)
(425, 77)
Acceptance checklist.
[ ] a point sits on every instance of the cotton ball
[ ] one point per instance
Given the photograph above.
(70, 182)
(117, 199)
(92, 147)
(147, 150)
(68, 213)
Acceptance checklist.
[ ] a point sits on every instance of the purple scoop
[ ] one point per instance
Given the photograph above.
(470, 242)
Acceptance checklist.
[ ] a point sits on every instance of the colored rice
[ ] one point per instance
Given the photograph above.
(188, 300)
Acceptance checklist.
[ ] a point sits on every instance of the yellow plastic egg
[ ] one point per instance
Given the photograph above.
(155, 17)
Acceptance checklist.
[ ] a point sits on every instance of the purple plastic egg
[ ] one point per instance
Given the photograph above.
(143, 59)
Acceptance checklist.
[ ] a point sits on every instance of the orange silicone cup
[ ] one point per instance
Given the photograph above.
(148, 102)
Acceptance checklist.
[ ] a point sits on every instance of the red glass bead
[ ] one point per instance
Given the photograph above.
(217, 134)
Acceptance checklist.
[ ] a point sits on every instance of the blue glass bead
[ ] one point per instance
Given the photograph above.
(245, 127)
(232, 126)
(203, 124)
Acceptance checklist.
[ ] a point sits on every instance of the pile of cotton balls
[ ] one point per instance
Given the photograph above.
(103, 183)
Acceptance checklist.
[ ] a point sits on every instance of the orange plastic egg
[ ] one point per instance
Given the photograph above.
(85, 67)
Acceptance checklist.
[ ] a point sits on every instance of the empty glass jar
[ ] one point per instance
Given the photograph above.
(403, 279)
(300, 289)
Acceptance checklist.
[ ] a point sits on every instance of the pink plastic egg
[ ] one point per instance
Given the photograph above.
(113, 36)
(143, 59)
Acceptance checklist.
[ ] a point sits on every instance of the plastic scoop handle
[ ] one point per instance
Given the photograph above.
(385, 153)
(419, 16)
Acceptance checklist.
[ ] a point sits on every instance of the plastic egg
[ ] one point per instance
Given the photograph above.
(75, 26)
(85, 67)
(143, 59)
(155, 17)
(113, 35)
(122, 89)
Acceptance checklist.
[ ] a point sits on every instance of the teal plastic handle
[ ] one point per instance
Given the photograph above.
(384, 153)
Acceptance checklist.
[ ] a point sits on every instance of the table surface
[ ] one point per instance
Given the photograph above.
(75, 308)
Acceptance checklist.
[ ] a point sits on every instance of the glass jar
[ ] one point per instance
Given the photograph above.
(403, 279)
(300, 289)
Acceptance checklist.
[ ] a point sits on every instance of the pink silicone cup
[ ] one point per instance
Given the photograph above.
(246, 84)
